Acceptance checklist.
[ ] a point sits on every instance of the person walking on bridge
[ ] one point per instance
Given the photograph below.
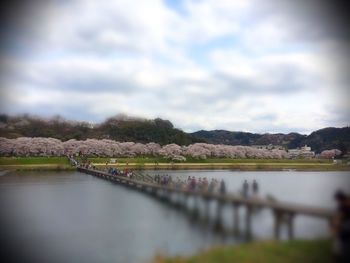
(205, 184)
(193, 184)
(222, 187)
(245, 188)
(211, 186)
(255, 187)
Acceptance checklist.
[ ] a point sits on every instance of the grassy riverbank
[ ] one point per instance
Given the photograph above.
(35, 163)
(151, 163)
(260, 252)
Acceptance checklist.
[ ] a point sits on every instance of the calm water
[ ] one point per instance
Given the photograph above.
(73, 217)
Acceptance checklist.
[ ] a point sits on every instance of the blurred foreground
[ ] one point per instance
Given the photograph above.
(270, 251)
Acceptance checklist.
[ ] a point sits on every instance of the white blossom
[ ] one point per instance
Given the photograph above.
(24, 146)
(328, 154)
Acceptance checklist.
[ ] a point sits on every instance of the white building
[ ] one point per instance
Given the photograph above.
(302, 152)
(268, 147)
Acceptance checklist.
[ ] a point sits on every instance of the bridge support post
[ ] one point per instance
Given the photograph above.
(207, 208)
(235, 219)
(163, 195)
(278, 222)
(177, 202)
(290, 222)
(248, 221)
(153, 191)
(167, 196)
(218, 222)
(183, 200)
(195, 206)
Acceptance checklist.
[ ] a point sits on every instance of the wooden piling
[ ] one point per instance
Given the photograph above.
(195, 210)
(184, 200)
(248, 221)
(207, 208)
(218, 221)
(235, 218)
(290, 222)
(278, 216)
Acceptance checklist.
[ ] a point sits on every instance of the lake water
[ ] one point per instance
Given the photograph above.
(74, 217)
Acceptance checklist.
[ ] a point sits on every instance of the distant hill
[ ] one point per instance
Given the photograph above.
(124, 128)
(327, 138)
(247, 138)
(120, 128)
(290, 140)
(227, 137)
(141, 130)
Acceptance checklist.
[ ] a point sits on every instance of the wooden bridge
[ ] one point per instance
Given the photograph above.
(284, 213)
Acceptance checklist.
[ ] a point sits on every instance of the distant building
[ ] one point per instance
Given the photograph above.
(268, 147)
(337, 161)
(302, 152)
(346, 156)
(305, 148)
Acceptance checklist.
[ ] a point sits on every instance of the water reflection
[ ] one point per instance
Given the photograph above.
(65, 216)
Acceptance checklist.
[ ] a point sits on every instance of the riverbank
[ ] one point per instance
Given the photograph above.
(35, 163)
(231, 166)
(268, 251)
(156, 163)
(37, 167)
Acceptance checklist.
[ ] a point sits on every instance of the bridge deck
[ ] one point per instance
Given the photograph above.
(277, 206)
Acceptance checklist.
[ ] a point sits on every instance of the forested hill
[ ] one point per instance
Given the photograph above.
(124, 128)
(327, 138)
(120, 128)
(290, 140)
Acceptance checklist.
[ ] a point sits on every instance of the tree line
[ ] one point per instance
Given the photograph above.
(39, 146)
(124, 128)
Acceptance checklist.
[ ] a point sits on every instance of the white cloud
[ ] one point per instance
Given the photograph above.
(233, 65)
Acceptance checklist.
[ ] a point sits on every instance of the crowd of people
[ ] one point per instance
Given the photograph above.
(204, 185)
(126, 172)
(87, 165)
(192, 183)
(245, 188)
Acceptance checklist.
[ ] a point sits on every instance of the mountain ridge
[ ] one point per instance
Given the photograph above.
(124, 128)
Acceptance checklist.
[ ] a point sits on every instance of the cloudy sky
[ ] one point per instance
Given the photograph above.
(249, 65)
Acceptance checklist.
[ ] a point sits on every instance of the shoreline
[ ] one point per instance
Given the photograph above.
(189, 166)
(36, 167)
(299, 250)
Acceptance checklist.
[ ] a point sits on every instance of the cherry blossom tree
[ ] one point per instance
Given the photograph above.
(329, 154)
(24, 146)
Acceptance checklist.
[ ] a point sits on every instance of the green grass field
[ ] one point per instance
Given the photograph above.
(149, 159)
(32, 160)
(261, 252)
(35, 163)
(148, 162)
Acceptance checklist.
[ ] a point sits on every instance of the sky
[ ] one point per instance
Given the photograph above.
(244, 65)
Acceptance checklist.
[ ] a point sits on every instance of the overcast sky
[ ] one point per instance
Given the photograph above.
(247, 65)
